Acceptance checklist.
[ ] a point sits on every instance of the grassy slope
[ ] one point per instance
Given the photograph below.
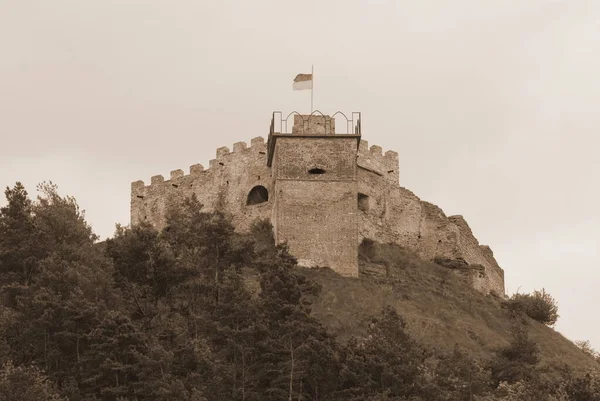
(439, 306)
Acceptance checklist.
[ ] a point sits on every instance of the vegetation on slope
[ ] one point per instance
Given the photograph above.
(540, 306)
(197, 312)
(441, 308)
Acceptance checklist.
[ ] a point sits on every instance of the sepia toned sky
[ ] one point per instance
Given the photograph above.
(492, 105)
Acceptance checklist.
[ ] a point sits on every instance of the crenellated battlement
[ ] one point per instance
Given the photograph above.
(373, 159)
(223, 155)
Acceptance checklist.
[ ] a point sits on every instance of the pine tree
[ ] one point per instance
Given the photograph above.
(64, 291)
(18, 251)
(388, 362)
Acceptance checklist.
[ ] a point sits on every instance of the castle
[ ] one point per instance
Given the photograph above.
(324, 192)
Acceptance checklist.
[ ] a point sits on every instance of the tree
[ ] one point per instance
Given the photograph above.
(203, 243)
(144, 268)
(61, 223)
(236, 331)
(17, 243)
(63, 289)
(287, 353)
(18, 383)
(517, 360)
(460, 377)
(387, 362)
(111, 362)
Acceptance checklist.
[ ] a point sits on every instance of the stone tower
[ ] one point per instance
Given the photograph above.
(315, 190)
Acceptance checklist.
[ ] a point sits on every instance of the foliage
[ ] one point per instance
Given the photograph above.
(539, 306)
(461, 377)
(587, 349)
(19, 383)
(197, 312)
(516, 361)
(583, 387)
(388, 362)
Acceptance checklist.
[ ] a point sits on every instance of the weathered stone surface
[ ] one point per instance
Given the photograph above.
(176, 174)
(314, 124)
(315, 184)
(228, 183)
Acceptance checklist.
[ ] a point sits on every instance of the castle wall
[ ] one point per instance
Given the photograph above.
(318, 221)
(323, 217)
(295, 156)
(473, 253)
(372, 159)
(316, 213)
(396, 215)
(227, 182)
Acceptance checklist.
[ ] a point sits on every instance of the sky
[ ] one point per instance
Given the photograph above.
(492, 106)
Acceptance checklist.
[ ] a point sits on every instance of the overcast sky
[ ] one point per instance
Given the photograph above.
(492, 105)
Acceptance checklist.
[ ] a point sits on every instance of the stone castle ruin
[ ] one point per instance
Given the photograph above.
(324, 192)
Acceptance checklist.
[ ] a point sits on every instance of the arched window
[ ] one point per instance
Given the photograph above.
(258, 194)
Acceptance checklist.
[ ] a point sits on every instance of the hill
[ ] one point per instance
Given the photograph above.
(440, 307)
(198, 312)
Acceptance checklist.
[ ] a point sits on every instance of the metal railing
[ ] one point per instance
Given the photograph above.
(279, 125)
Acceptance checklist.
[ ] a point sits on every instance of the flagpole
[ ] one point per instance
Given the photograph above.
(312, 75)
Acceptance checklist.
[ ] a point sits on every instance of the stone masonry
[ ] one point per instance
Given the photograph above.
(324, 193)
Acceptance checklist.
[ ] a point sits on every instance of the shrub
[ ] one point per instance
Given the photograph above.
(539, 306)
(587, 349)
(516, 361)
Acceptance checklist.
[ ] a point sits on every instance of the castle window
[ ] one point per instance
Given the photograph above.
(363, 202)
(258, 194)
(316, 171)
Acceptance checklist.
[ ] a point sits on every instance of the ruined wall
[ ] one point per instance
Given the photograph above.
(394, 214)
(473, 253)
(316, 213)
(372, 159)
(227, 181)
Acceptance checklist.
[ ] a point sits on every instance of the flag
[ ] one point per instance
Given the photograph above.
(303, 81)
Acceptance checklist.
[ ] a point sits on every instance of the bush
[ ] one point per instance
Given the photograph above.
(539, 306)
(516, 361)
(587, 349)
